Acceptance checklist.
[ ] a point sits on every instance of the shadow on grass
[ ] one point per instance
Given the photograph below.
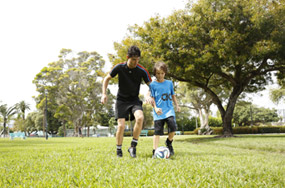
(197, 140)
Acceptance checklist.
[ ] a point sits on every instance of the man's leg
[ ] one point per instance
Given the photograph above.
(120, 136)
(138, 125)
(136, 133)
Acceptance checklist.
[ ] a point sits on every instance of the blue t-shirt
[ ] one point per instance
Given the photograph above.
(162, 93)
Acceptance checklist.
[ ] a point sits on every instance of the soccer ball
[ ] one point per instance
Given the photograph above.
(162, 153)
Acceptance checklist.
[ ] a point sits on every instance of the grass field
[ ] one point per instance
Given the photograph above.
(199, 161)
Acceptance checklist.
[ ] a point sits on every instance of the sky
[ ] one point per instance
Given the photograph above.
(34, 31)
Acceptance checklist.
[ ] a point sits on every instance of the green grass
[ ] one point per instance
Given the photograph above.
(199, 161)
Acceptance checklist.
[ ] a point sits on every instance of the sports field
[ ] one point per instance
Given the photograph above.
(199, 161)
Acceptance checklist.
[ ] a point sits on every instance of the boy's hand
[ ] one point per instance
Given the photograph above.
(178, 108)
(158, 111)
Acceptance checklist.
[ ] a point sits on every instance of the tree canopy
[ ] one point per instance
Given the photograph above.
(217, 45)
(72, 86)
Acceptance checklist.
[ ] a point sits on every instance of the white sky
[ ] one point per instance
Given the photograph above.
(33, 32)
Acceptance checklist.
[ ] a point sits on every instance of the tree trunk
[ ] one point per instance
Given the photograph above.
(64, 129)
(228, 116)
(4, 131)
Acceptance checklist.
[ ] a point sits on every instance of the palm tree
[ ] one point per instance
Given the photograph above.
(6, 114)
(22, 107)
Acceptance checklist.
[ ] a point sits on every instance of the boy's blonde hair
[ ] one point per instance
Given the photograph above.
(160, 65)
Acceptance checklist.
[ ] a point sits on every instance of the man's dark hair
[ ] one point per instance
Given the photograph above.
(134, 51)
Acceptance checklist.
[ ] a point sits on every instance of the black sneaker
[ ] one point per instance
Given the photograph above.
(132, 151)
(169, 146)
(119, 153)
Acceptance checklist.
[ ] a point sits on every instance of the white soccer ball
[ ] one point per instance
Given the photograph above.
(162, 153)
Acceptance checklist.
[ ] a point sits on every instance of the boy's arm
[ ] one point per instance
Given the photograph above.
(157, 110)
(176, 104)
(104, 97)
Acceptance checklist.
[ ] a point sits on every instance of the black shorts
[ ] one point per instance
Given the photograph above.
(126, 109)
(159, 125)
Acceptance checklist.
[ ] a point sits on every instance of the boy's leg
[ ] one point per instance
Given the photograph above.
(158, 130)
(155, 144)
(136, 133)
(120, 136)
(172, 128)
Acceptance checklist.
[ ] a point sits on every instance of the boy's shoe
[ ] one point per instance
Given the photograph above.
(119, 153)
(169, 146)
(132, 151)
(153, 156)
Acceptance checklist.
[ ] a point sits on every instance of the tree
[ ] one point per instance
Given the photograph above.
(278, 94)
(196, 99)
(72, 85)
(7, 113)
(23, 106)
(231, 45)
(246, 114)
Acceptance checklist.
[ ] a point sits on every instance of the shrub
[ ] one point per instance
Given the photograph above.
(60, 131)
(217, 130)
(269, 129)
(215, 122)
(189, 133)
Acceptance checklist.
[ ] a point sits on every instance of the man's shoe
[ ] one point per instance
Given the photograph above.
(119, 153)
(132, 151)
(169, 146)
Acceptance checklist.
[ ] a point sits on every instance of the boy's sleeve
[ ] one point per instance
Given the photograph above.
(151, 90)
(172, 89)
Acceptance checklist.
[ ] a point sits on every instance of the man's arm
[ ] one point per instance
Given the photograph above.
(104, 97)
(149, 99)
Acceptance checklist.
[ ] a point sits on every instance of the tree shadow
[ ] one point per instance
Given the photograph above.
(197, 140)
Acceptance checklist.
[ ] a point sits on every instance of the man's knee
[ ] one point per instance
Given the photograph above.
(139, 117)
(121, 124)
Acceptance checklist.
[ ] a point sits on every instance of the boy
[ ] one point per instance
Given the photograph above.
(163, 94)
(130, 75)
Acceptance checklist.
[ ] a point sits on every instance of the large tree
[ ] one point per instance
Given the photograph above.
(230, 44)
(72, 86)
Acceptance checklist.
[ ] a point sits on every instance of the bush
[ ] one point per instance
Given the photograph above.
(215, 122)
(217, 130)
(269, 129)
(245, 130)
(186, 124)
(60, 131)
(189, 133)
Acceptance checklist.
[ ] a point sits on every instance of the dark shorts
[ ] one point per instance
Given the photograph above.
(159, 125)
(126, 109)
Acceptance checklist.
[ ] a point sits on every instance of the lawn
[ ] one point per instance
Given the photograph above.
(199, 161)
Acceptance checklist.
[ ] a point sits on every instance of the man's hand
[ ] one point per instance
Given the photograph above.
(104, 99)
(150, 101)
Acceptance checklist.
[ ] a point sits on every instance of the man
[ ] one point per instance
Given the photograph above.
(130, 75)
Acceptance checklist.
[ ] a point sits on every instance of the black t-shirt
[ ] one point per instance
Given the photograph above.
(129, 80)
